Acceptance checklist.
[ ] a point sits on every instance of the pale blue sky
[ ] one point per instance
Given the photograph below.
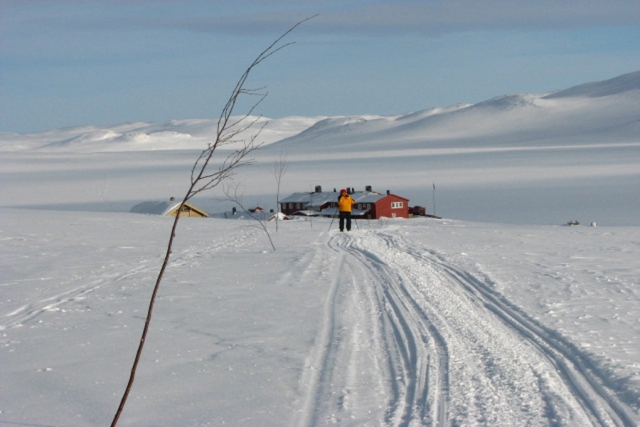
(88, 62)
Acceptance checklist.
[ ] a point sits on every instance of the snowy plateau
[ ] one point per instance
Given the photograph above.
(496, 314)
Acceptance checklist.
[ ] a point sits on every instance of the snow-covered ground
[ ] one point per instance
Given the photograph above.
(497, 315)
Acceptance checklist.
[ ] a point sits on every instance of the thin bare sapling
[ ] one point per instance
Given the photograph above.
(279, 169)
(230, 130)
(232, 195)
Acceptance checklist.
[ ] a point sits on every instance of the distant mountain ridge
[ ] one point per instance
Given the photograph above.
(574, 116)
(606, 111)
(624, 83)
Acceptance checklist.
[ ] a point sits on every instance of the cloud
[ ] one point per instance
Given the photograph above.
(430, 17)
(366, 17)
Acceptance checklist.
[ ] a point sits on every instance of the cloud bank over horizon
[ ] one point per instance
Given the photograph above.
(74, 62)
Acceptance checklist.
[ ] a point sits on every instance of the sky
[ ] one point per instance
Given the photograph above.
(70, 63)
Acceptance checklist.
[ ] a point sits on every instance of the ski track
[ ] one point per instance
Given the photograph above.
(93, 282)
(28, 312)
(408, 339)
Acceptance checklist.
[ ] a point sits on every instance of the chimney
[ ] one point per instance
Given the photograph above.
(388, 192)
(318, 189)
(367, 188)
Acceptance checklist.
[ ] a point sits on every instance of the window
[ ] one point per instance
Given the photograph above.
(396, 205)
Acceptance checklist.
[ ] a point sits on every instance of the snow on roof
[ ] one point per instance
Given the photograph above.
(306, 213)
(320, 198)
(162, 207)
(367, 197)
(154, 208)
(312, 199)
(279, 215)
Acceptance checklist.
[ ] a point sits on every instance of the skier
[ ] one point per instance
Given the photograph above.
(345, 202)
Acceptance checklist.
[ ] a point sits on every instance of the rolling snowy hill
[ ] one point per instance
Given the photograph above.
(601, 112)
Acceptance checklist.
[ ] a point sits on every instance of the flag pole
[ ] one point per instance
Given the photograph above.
(434, 199)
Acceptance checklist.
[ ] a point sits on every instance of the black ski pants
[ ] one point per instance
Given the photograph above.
(345, 216)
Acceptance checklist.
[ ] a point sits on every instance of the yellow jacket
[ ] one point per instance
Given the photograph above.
(345, 202)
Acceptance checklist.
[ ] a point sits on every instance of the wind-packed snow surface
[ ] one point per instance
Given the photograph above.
(462, 321)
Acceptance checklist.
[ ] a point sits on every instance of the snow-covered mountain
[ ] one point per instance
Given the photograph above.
(140, 136)
(601, 112)
(627, 83)
(572, 116)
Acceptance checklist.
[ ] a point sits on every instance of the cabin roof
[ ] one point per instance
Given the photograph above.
(320, 198)
(162, 207)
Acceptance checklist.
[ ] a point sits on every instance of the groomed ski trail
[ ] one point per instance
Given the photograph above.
(409, 340)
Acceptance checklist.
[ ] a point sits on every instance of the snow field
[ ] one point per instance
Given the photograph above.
(400, 323)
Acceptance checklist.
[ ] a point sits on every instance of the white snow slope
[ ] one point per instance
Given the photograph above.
(496, 315)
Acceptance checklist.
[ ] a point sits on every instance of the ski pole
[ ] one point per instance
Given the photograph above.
(332, 218)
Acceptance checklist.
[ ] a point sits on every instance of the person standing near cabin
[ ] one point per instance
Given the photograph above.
(345, 204)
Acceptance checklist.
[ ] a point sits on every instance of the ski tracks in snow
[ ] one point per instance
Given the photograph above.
(410, 340)
(82, 285)
(378, 359)
(56, 302)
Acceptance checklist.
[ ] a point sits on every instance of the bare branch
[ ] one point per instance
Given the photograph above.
(232, 196)
(201, 180)
(279, 169)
